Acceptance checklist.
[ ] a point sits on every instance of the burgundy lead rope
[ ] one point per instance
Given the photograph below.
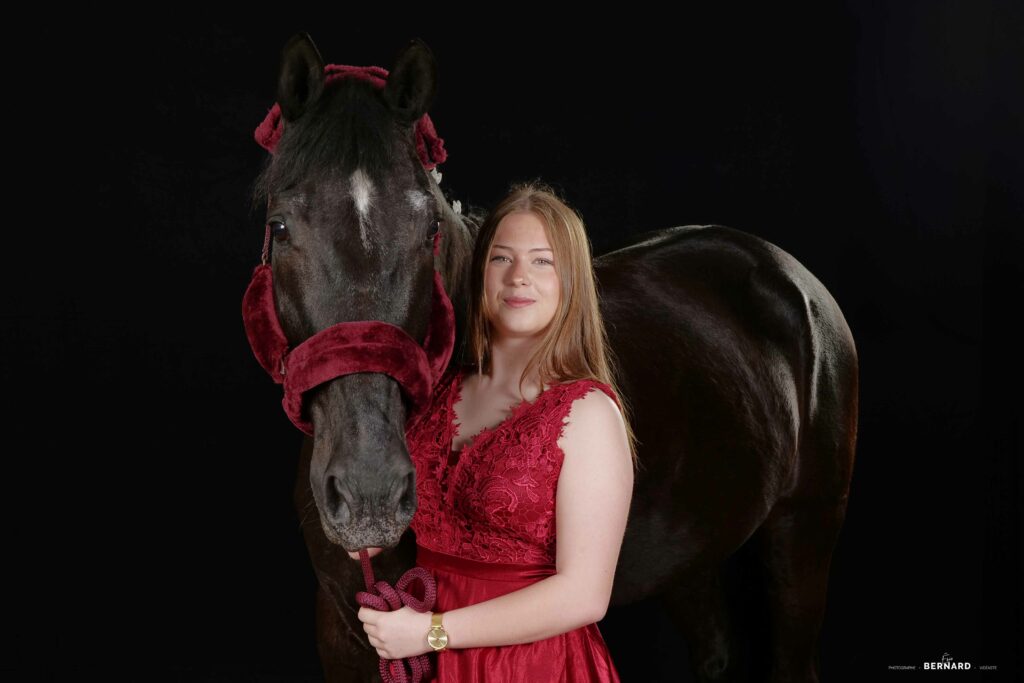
(380, 596)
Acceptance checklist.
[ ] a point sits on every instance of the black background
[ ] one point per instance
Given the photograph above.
(151, 466)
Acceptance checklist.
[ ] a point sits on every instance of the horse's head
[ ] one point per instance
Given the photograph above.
(352, 215)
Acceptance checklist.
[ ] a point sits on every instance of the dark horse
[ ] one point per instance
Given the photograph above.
(747, 420)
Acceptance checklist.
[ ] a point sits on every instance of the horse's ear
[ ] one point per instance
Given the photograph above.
(412, 82)
(301, 79)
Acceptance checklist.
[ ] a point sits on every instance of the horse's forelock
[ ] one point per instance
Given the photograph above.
(350, 129)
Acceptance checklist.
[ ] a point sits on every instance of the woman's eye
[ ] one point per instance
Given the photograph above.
(539, 260)
(278, 230)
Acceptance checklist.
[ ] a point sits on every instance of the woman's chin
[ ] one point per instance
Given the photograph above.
(520, 331)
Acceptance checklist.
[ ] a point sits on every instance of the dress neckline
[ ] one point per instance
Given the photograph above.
(455, 397)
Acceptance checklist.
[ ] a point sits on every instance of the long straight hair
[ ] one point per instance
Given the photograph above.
(575, 345)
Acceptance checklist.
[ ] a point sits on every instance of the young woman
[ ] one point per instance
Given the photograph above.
(524, 466)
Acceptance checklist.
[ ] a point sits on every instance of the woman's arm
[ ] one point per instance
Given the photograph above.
(595, 487)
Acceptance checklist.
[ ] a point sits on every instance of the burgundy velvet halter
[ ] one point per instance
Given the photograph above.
(348, 347)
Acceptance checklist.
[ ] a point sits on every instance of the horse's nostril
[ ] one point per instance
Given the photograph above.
(344, 513)
(406, 498)
(339, 501)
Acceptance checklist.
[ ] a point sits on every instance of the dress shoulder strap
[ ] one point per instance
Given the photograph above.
(581, 387)
(568, 392)
(560, 404)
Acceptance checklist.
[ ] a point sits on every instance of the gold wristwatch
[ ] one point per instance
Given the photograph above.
(437, 637)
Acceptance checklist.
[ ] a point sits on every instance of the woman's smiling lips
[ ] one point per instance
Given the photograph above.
(516, 302)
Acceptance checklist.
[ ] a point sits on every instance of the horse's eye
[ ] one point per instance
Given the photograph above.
(435, 226)
(278, 230)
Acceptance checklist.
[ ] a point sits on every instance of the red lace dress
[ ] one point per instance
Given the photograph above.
(485, 526)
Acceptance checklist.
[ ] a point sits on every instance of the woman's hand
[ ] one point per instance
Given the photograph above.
(398, 634)
(370, 551)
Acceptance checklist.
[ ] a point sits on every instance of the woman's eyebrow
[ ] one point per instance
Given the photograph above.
(502, 246)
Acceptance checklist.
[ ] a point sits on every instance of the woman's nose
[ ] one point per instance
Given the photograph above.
(518, 271)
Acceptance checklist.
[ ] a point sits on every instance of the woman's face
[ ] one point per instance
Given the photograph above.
(521, 266)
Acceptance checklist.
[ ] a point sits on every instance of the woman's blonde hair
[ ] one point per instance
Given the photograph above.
(575, 344)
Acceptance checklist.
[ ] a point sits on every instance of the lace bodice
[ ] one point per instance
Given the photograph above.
(496, 502)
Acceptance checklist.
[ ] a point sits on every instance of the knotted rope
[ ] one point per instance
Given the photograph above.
(380, 596)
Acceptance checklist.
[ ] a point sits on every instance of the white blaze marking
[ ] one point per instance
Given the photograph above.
(362, 191)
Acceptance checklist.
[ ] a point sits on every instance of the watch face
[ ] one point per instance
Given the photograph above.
(437, 638)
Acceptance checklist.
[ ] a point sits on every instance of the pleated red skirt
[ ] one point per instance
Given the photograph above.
(578, 656)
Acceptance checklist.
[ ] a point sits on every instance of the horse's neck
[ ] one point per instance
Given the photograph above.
(458, 264)
(461, 238)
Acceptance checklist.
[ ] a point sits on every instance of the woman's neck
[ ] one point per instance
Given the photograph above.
(508, 360)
